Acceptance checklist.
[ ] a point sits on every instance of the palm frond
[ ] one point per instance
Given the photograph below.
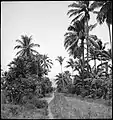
(20, 52)
(91, 27)
(75, 18)
(18, 46)
(33, 51)
(95, 5)
(75, 5)
(19, 41)
(33, 45)
(93, 42)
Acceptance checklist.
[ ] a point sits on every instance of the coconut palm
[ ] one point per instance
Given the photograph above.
(71, 64)
(60, 59)
(75, 35)
(95, 50)
(101, 49)
(66, 80)
(26, 46)
(74, 40)
(81, 11)
(46, 62)
(106, 56)
(104, 14)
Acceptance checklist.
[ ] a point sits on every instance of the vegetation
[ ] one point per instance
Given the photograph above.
(27, 79)
(91, 81)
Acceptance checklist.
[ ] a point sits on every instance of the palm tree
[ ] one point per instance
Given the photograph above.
(60, 59)
(95, 49)
(59, 82)
(46, 62)
(100, 49)
(26, 46)
(74, 40)
(106, 56)
(71, 64)
(66, 80)
(81, 11)
(104, 14)
(74, 37)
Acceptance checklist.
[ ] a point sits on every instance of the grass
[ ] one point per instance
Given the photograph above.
(9, 111)
(80, 108)
(90, 109)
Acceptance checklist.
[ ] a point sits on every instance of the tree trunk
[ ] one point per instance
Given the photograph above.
(107, 69)
(87, 41)
(110, 36)
(101, 62)
(72, 76)
(95, 64)
(83, 58)
(62, 77)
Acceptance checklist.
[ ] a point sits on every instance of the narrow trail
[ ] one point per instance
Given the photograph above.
(49, 100)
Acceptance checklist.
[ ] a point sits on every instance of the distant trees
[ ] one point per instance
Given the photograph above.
(71, 64)
(60, 59)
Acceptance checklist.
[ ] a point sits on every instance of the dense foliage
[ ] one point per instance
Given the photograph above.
(25, 77)
(92, 80)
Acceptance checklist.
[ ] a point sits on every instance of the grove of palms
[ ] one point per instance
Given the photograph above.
(27, 79)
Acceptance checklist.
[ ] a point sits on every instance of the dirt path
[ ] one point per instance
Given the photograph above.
(49, 100)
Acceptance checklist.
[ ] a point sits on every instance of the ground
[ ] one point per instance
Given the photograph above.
(61, 106)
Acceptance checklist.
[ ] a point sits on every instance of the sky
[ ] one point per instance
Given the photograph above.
(47, 22)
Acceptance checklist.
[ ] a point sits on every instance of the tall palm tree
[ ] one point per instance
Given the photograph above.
(95, 50)
(82, 11)
(60, 59)
(26, 46)
(71, 64)
(46, 62)
(104, 14)
(74, 40)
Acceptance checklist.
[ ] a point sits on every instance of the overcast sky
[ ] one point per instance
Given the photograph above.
(46, 21)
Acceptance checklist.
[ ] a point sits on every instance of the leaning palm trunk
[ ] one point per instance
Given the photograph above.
(110, 36)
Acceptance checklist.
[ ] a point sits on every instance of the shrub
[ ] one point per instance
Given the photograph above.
(33, 101)
(9, 110)
(41, 104)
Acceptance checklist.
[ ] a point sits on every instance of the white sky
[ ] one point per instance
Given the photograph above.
(46, 21)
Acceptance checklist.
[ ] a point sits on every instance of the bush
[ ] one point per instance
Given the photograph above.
(34, 102)
(41, 104)
(9, 110)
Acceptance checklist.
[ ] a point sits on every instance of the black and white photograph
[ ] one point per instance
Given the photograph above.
(56, 59)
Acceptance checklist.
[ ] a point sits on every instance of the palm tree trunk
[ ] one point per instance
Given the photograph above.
(95, 64)
(107, 69)
(101, 62)
(83, 58)
(110, 36)
(62, 77)
(72, 76)
(87, 36)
